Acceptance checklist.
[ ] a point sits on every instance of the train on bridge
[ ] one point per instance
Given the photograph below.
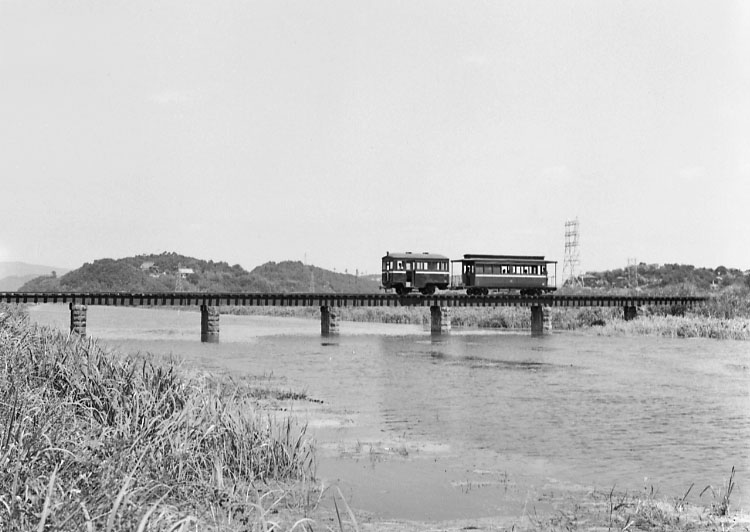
(479, 274)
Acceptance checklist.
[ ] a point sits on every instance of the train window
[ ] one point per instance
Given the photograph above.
(409, 266)
(399, 265)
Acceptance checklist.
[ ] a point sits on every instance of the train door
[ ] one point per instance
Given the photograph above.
(409, 265)
(386, 277)
(468, 274)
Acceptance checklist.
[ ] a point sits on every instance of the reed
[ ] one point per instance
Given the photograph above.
(681, 327)
(645, 511)
(90, 440)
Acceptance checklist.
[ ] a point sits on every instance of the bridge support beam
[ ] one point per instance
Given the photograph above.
(631, 313)
(78, 319)
(440, 319)
(209, 324)
(540, 320)
(329, 322)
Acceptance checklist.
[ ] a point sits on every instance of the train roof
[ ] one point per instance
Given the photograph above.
(416, 256)
(515, 259)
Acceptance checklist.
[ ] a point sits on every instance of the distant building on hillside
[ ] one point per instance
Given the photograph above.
(150, 268)
(184, 272)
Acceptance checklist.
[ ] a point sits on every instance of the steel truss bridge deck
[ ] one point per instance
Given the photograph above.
(341, 300)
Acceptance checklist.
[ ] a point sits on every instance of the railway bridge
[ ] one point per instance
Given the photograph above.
(439, 304)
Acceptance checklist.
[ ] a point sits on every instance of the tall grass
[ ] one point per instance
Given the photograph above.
(716, 319)
(93, 441)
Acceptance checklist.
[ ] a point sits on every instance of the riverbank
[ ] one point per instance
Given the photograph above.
(92, 439)
(599, 320)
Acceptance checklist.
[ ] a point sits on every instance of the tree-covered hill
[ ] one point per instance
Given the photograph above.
(668, 278)
(170, 272)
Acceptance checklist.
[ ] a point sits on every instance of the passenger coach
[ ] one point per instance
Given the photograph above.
(528, 274)
(425, 272)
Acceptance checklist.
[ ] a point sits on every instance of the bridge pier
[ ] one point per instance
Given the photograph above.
(631, 313)
(78, 319)
(540, 320)
(440, 319)
(209, 324)
(329, 322)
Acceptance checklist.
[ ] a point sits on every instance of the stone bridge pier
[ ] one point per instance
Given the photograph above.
(329, 322)
(78, 319)
(440, 319)
(209, 324)
(540, 320)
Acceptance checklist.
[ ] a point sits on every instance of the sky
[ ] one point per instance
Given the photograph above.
(333, 131)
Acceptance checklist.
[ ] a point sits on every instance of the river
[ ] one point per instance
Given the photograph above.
(478, 423)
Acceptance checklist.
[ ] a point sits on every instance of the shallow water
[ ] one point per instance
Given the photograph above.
(479, 423)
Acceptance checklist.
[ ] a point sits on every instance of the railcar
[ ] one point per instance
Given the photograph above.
(526, 273)
(425, 272)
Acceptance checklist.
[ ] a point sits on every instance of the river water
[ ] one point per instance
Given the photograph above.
(479, 423)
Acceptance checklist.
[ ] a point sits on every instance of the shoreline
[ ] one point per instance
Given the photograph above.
(578, 509)
(600, 321)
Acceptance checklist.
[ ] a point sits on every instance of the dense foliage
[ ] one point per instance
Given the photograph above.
(90, 440)
(161, 273)
(668, 278)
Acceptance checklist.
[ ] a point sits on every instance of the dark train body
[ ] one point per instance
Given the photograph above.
(425, 272)
(479, 274)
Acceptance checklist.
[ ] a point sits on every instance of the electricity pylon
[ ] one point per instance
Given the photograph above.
(572, 255)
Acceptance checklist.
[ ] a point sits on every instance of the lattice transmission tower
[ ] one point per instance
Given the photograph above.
(572, 255)
(633, 272)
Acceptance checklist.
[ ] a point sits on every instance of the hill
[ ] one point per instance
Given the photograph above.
(13, 275)
(668, 278)
(170, 272)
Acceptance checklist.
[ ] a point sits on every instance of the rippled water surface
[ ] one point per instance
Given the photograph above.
(478, 423)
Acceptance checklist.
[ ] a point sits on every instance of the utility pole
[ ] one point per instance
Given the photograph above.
(572, 255)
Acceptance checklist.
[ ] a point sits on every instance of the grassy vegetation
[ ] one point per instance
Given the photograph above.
(716, 319)
(93, 441)
(644, 511)
(90, 440)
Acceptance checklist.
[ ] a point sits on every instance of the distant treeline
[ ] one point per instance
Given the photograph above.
(169, 272)
(668, 278)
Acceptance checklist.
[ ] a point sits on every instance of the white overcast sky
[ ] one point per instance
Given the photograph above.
(249, 131)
